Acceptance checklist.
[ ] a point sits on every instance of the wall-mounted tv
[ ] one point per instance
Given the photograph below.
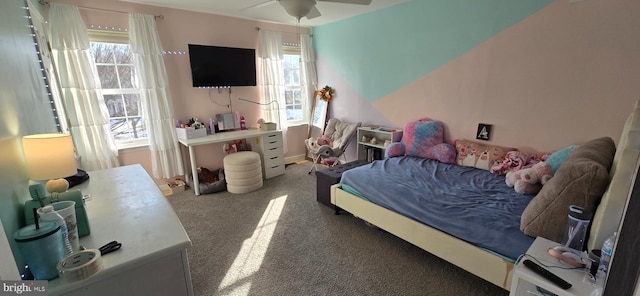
(216, 66)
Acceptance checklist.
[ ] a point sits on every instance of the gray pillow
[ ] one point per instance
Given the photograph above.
(581, 180)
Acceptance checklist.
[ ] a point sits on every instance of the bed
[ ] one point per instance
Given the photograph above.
(599, 176)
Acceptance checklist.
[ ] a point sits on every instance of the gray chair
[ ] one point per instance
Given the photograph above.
(340, 134)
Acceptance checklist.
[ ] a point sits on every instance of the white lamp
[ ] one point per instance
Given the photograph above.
(50, 157)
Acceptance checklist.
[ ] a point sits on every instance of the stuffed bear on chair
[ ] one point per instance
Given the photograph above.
(423, 138)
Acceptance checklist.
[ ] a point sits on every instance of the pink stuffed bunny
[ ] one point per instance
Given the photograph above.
(530, 180)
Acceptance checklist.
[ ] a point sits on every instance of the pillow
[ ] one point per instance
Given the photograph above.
(423, 138)
(580, 180)
(481, 156)
(556, 158)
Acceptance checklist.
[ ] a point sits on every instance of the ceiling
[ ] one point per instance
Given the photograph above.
(270, 10)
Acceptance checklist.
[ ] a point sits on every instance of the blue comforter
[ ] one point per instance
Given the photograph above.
(471, 204)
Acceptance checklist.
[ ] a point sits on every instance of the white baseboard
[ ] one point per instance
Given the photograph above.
(295, 158)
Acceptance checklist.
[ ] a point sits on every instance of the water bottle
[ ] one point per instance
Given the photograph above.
(47, 213)
(605, 256)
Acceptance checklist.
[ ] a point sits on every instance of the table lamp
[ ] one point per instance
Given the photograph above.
(50, 157)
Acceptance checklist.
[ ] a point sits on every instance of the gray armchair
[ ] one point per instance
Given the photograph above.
(340, 134)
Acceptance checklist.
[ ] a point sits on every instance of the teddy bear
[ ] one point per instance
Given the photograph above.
(530, 180)
(423, 138)
(324, 140)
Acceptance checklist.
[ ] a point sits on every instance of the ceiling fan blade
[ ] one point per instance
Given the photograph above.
(261, 4)
(361, 2)
(313, 13)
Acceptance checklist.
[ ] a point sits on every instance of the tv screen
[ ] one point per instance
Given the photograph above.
(215, 66)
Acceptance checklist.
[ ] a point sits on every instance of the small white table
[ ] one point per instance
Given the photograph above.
(259, 144)
(524, 280)
(126, 205)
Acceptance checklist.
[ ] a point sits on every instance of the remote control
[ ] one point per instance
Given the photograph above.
(546, 274)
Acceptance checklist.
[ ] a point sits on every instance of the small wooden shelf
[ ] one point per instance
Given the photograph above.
(369, 151)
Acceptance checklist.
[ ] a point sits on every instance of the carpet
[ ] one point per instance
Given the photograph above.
(280, 241)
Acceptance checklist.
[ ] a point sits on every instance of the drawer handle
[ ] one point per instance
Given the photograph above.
(273, 148)
(274, 157)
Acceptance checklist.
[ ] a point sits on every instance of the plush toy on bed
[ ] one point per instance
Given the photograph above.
(423, 138)
(530, 180)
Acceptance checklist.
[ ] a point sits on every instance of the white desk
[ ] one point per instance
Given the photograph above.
(267, 143)
(127, 205)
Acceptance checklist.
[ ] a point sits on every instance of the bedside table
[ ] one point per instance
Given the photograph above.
(524, 280)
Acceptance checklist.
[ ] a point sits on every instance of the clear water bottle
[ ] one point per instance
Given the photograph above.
(605, 256)
(47, 213)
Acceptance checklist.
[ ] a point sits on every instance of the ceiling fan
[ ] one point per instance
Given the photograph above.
(306, 8)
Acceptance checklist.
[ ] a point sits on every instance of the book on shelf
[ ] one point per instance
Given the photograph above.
(374, 154)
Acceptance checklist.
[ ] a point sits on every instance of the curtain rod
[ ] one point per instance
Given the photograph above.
(258, 29)
(158, 17)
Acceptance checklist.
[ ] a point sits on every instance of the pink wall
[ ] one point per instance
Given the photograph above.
(565, 75)
(176, 30)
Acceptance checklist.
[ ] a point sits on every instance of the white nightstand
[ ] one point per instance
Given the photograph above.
(524, 280)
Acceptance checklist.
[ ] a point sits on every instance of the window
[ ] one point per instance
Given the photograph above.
(114, 62)
(293, 90)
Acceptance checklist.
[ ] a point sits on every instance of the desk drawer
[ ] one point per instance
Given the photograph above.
(270, 172)
(272, 141)
(273, 161)
(272, 152)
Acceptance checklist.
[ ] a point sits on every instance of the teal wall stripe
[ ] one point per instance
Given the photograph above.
(379, 52)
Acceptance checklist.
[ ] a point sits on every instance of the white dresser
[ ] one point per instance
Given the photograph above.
(127, 206)
(269, 146)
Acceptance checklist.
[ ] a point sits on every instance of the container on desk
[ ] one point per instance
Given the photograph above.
(268, 126)
(190, 133)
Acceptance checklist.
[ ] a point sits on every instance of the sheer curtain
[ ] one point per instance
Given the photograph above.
(272, 79)
(157, 107)
(81, 91)
(309, 76)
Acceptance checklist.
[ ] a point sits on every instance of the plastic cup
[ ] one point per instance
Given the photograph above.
(67, 209)
(41, 248)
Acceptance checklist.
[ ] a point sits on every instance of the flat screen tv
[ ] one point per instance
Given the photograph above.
(216, 66)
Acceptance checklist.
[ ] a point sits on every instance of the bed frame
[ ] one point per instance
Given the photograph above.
(485, 264)
(477, 261)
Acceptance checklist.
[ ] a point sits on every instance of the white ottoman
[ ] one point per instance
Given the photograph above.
(243, 171)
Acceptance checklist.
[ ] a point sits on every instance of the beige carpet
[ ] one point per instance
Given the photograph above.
(280, 241)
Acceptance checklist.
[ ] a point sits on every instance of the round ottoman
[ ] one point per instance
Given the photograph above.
(243, 171)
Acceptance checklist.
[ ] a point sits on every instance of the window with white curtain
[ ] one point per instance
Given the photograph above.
(295, 105)
(114, 62)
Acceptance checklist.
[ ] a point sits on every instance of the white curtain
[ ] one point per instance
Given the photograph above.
(308, 75)
(270, 54)
(151, 77)
(81, 91)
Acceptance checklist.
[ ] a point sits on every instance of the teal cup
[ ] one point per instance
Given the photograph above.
(41, 248)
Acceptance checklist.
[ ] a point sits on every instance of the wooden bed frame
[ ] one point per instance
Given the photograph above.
(477, 261)
(608, 216)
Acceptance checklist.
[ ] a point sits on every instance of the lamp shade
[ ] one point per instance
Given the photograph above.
(49, 156)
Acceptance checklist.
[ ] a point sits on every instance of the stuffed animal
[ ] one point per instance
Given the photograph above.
(325, 140)
(530, 180)
(423, 138)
